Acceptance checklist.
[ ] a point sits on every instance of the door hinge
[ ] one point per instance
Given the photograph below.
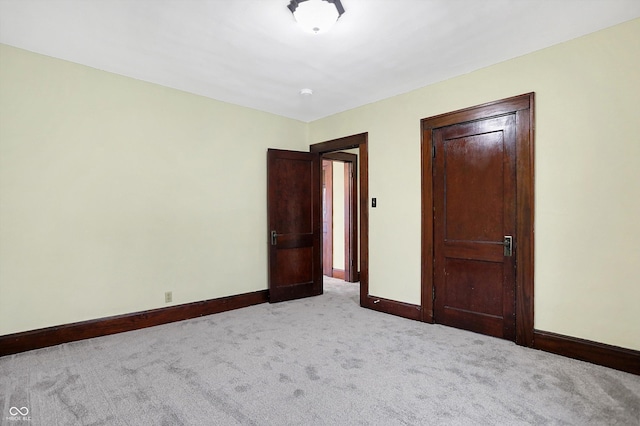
(433, 151)
(433, 292)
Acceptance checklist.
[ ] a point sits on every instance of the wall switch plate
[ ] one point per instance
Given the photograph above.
(168, 297)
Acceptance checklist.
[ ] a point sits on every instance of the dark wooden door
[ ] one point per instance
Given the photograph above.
(474, 187)
(295, 224)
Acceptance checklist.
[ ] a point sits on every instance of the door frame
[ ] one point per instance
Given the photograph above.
(359, 141)
(350, 162)
(523, 108)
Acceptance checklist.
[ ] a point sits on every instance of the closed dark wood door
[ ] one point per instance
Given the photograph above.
(295, 224)
(474, 187)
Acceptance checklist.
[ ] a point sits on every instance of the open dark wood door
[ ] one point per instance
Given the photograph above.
(474, 186)
(295, 224)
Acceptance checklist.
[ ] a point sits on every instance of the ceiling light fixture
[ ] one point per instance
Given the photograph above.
(316, 16)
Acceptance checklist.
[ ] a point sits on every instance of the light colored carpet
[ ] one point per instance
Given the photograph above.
(322, 361)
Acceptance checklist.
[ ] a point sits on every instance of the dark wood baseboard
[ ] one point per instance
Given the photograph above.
(401, 309)
(51, 336)
(585, 350)
(338, 273)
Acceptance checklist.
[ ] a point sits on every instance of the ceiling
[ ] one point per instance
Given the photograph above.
(252, 52)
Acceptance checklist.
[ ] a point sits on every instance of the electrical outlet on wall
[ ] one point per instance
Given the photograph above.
(168, 296)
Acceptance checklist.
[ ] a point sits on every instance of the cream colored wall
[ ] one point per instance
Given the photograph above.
(587, 184)
(338, 215)
(113, 191)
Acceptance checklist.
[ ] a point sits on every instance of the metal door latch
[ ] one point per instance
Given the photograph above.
(508, 245)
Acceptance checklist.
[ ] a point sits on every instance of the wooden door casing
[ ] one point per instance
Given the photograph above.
(351, 273)
(474, 208)
(348, 142)
(523, 108)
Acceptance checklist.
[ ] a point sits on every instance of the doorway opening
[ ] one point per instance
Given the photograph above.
(331, 150)
(340, 215)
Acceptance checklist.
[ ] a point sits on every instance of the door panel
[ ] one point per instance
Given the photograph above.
(295, 220)
(474, 209)
(291, 266)
(474, 188)
(469, 286)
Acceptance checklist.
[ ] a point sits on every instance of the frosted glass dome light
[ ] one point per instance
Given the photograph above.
(316, 16)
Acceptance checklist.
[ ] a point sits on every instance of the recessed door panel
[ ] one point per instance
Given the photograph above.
(469, 287)
(474, 187)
